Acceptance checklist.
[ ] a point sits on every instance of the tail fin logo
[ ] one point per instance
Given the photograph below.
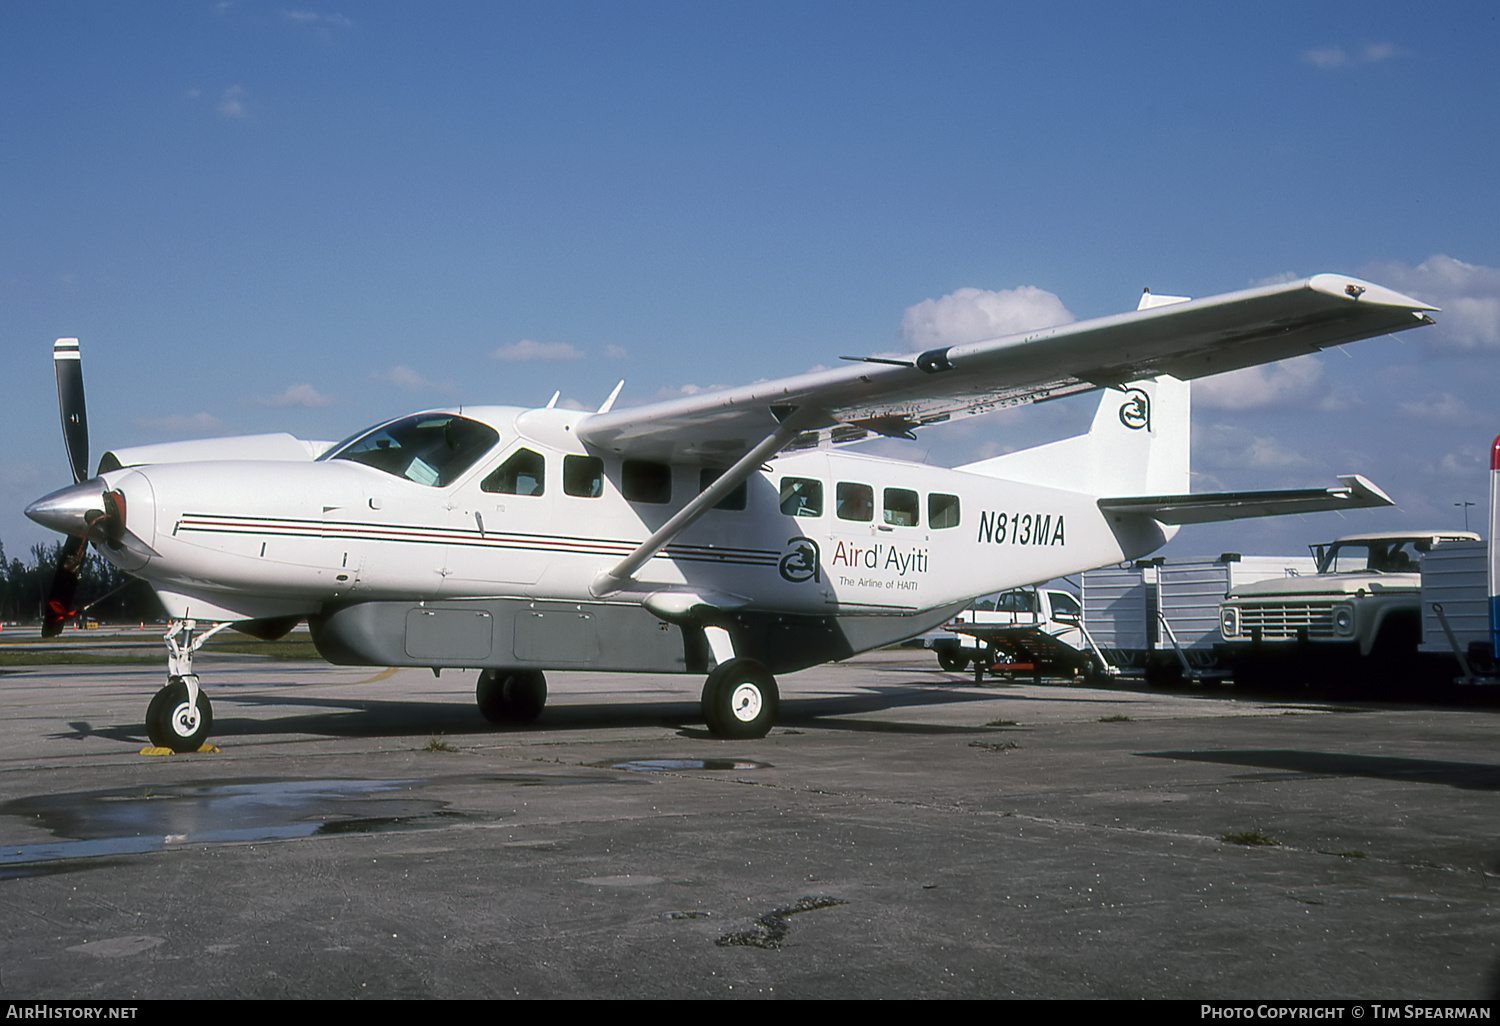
(1135, 413)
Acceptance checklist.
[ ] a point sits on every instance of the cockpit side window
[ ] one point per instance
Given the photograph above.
(583, 476)
(524, 473)
(431, 449)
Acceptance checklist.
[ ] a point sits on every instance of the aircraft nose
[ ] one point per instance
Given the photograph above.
(70, 510)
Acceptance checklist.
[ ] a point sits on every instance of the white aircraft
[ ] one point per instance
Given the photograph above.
(724, 534)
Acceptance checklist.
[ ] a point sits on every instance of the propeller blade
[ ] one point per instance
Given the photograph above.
(75, 421)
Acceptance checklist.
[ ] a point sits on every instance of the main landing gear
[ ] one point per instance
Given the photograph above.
(740, 700)
(511, 696)
(180, 715)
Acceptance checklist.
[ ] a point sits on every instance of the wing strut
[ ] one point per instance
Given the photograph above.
(616, 578)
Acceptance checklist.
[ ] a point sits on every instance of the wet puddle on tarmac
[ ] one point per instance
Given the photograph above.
(140, 820)
(681, 765)
(137, 820)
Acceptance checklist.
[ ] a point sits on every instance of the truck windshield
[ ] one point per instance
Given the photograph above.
(1394, 556)
(429, 448)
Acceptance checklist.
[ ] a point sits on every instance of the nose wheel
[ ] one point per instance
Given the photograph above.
(177, 720)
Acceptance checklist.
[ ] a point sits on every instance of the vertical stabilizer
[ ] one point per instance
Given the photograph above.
(1141, 439)
(1138, 445)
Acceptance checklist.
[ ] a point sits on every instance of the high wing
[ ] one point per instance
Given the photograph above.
(1213, 507)
(1186, 340)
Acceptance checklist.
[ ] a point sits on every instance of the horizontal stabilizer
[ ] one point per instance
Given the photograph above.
(1213, 507)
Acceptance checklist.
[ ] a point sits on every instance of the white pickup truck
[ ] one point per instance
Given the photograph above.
(1038, 627)
(1357, 619)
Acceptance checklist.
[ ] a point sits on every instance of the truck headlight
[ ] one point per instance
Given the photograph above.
(1229, 622)
(1343, 620)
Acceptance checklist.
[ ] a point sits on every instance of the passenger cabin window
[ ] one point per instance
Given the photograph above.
(854, 502)
(942, 510)
(736, 499)
(901, 507)
(801, 497)
(646, 481)
(523, 474)
(583, 476)
(430, 448)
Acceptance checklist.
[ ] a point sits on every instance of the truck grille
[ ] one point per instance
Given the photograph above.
(1283, 621)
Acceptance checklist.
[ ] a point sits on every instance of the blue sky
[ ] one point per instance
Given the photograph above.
(261, 216)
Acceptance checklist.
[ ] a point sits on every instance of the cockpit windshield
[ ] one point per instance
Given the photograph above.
(1387, 556)
(429, 448)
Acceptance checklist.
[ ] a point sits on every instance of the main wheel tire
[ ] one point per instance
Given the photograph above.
(954, 661)
(740, 700)
(172, 723)
(511, 696)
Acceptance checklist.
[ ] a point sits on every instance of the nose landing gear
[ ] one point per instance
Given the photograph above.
(180, 715)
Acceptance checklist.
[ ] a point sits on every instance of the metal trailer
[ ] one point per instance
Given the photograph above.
(1159, 618)
(1455, 602)
(1119, 615)
(1460, 608)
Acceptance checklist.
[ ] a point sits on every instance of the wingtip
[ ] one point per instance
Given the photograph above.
(1365, 490)
(1360, 291)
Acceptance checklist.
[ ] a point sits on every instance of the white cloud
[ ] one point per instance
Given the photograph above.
(182, 424)
(232, 103)
(616, 352)
(1333, 58)
(1226, 446)
(682, 391)
(1295, 382)
(527, 350)
(1461, 465)
(317, 18)
(296, 395)
(1326, 57)
(1276, 279)
(1443, 407)
(969, 315)
(409, 380)
(1468, 294)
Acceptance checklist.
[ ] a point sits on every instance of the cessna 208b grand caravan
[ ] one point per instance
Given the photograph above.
(725, 534)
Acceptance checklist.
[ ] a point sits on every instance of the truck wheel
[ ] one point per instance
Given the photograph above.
(1391, 667)
(952, 660)
(1162, 673)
